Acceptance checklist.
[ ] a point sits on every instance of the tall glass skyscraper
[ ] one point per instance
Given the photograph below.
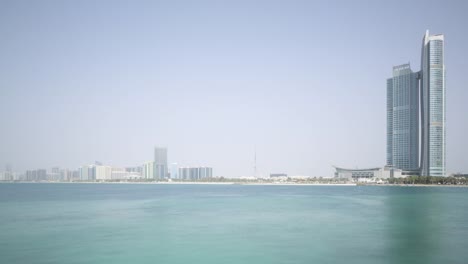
(403, 119)
(411, 95)
(160, 163)
(433, 106)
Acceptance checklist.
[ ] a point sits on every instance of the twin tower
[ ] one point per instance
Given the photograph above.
(416, 113)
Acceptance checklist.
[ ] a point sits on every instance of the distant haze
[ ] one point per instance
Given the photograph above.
(302, 82)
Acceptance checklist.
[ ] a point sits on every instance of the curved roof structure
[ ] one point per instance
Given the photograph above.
(367, 169)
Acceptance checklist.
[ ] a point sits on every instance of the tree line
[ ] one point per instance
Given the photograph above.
(430, 180)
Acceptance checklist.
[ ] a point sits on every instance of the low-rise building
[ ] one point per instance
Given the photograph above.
(125, 174)
(367, 173)
(276, 175)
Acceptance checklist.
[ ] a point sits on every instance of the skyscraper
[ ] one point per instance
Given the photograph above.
(433, 106)
(403, 119)
(160, 163)
(88, 172)
(411, 95)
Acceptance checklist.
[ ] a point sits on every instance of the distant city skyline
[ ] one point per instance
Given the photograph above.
(299, 83)
(156, 170)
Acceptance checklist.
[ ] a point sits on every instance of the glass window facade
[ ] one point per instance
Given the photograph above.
(403, 119)
(160, 163)
(433, 106)
(418, 96)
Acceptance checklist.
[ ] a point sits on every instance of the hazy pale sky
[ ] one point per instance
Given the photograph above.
(302, 82)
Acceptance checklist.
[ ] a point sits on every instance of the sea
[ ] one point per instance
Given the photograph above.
(211, 223)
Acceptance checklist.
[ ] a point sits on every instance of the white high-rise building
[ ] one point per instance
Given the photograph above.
(148, 170)
(103, 172)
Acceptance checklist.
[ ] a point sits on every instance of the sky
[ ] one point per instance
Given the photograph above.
(300, 83)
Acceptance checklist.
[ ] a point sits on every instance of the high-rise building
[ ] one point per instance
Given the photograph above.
(174, 171)
(184, 173)
(205, 172)
(36, 175)
(103, 172)
(87, 172)
(65, 175)
(148, 170)
(403, 119)
(417, 100)
(75, 175)
(95, 171)
(54, 174)
(8, 174)
(160, 163)
(433, 106)
(195, 173)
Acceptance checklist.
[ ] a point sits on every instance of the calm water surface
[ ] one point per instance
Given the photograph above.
(136, 223)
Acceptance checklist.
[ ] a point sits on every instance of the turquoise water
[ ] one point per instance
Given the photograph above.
(133, 223)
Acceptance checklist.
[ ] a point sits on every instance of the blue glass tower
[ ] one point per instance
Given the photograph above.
(403, 119)
(414, 96)
(433, 106)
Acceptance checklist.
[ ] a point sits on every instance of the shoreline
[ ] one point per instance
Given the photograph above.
(194, 183)
(250, 183)
(416, 185)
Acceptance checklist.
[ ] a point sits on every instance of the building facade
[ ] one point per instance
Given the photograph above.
(205, 172)
(36, 175)
(195, 173)
(160, 163)
(103, 173)
(88, 173)
(403, 119)
(433, 106)
(134, 170)
(148, 170)
(126, 174)
(174, 173)
(416, 113)
(368, 173)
